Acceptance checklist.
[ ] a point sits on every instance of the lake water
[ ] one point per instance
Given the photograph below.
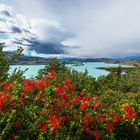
(90, 66)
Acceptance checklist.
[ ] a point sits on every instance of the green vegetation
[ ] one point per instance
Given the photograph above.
(5, 63)
(61, 103)
(113, 69)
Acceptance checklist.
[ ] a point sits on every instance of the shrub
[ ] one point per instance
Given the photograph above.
(52, 109)
(64, 104)
(6, 61)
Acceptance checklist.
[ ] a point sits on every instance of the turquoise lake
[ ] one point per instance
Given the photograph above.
(90, 66)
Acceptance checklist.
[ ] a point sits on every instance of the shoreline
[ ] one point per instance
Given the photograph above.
(122, 68)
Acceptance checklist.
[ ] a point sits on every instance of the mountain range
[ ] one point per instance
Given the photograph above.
(33, 60)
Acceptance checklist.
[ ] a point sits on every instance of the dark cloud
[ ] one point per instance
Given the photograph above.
(48, 48)
(42, 47)
(2, 32)
(6, 13)
(19, 42)
(16, 29)
(26, 31)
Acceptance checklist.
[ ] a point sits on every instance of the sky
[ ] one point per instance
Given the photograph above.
(71, 28)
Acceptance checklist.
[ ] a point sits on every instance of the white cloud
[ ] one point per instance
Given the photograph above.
(48, 30)
(109, 31)
(33, 53)
(23, 30)
(104, 28)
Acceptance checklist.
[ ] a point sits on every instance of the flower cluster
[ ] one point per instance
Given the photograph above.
(130, 114)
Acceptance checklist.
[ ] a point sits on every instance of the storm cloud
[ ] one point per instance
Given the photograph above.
(41, 47)
(6, 13)
(16, 29)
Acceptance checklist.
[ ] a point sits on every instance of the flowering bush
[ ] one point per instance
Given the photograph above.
(52, 109)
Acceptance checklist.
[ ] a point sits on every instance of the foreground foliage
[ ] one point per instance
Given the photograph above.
(64, 104)
(6, 61)
(50, 109)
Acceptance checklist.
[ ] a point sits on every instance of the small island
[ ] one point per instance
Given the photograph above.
(77, 64)
(114, 69)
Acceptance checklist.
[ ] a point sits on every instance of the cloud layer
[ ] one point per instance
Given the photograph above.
(39, 35)
(89, 28)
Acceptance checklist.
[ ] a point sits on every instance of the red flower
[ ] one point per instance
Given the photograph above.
(43, 113)
(18, 125)
(2, 83)
(0, 100)
(2, 103)
(96, 98)
(67, 81)
(89, 98)
(130, 112)
(115, 120)
(9, 86)
(29, 84)
(82, 93)
(72, 87)
(55, 123)
(87, 116)
(98, 105)
(87, 130)
(44, 127)
(84, 105)
(13, 106)
(69, 84)
(60, 90)
(41, 85)
(97, 135)
(0, 108)
(53, 100)
(63, 118)
(55, 112)
(90, 121)
(76, 99)
(128, 108)
(26, 91)
(22, 101)
(65, 97)
(52, 74)
(50, 106)
(130, 115)
(84, 99)
(110, 128)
